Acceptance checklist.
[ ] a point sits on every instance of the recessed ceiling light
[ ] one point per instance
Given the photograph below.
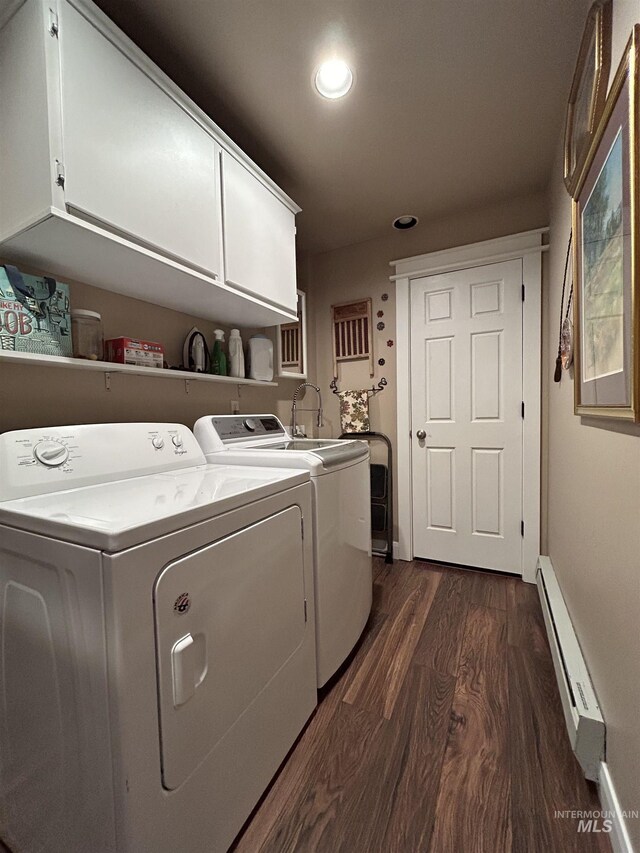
(402, 223)
(333, 79)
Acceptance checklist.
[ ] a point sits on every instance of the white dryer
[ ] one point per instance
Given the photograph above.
(341, 520)
(157, 661)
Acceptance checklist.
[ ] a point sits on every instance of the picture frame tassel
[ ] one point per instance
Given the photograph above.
(557, 376)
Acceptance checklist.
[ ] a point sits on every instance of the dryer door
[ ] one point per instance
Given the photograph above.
(228, 618)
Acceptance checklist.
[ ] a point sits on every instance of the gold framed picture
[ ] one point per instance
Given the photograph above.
(588, 91)
(606, 259)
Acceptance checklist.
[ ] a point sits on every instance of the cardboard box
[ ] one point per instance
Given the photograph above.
(134, 351)
(34, 314)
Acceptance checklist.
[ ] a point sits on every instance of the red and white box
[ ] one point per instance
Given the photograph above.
(134, 351)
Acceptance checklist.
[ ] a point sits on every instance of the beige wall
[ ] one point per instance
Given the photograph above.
(593, 529)
(37, 396)
(363, 270)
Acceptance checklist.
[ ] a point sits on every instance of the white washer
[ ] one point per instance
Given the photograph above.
(342, 517)
(157, 661)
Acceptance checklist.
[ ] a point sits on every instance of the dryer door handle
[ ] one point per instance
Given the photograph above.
(188, 667)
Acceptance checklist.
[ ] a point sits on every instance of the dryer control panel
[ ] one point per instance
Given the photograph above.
(39, 461)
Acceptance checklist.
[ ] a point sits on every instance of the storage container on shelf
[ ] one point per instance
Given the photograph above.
(86, 330)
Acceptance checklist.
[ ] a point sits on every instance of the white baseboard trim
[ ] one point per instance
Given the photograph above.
(619, 836)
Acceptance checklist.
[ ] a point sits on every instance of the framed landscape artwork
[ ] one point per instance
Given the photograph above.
(588, 91)
(606, 256)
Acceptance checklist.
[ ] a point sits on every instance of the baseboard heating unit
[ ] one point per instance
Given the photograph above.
(581, 712)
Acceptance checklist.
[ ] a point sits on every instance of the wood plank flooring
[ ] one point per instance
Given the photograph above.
(443, 732)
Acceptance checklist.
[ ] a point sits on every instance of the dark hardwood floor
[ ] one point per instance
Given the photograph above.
(443, 733)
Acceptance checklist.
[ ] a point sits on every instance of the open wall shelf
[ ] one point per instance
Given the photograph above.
(107, 367)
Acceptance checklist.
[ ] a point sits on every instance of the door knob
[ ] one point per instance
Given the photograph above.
(421, 435)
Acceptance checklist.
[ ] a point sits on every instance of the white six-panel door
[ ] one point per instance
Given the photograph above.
(466, 432)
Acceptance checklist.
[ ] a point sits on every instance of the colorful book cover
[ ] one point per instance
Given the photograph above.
(34, 314)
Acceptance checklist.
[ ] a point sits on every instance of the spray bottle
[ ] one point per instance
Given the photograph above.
(218, 358)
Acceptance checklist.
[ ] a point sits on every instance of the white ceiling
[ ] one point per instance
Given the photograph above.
(456, 103)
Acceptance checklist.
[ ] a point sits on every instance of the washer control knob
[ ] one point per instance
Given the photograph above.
(177, 440)
(158, 442)
(250, 424)
(51, 453)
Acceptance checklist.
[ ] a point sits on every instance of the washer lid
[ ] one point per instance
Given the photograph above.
(117, 515)
(330, 452)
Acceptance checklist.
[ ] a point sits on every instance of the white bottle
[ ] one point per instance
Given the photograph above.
(236, 355)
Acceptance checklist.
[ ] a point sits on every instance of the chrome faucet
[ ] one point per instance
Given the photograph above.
(295, 409)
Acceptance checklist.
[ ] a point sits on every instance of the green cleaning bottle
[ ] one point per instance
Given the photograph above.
(218, 358)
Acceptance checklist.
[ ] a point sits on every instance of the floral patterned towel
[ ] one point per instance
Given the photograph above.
(354, 411)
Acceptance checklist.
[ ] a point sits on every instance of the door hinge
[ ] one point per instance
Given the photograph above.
(522, 409)
(523, 292)
(305, 610)
(54, 28)
(60, 177)
(522, 528)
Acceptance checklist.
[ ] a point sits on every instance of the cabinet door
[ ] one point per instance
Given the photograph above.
(134, 159)
(259, 237)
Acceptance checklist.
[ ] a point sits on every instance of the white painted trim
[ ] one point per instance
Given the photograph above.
(404, 489)
(532, 425)
(619, 835)
(472, 253)
(492, 259)
(284, 374)
(527, 246)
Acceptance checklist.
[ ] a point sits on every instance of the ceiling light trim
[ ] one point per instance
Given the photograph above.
(405, 222)
(333, 79)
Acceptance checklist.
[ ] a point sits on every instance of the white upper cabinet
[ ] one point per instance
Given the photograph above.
(259, 237)
(112, 176)
(134, 160)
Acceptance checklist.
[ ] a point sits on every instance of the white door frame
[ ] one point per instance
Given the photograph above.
(528, 247)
